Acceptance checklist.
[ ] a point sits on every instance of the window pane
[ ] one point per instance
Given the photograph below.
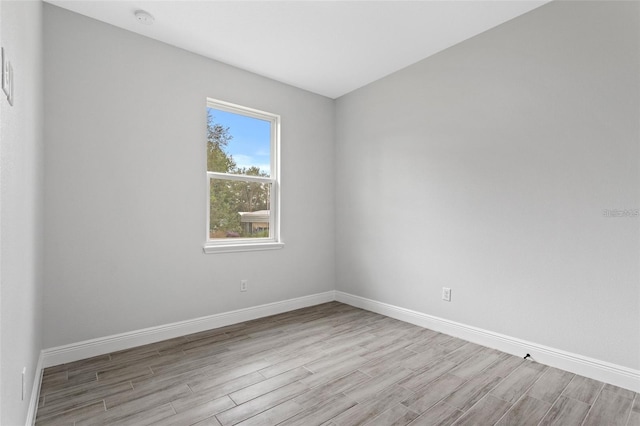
(238, 144)
(239, 209)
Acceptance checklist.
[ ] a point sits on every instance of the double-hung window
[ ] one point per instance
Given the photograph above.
(243, 187)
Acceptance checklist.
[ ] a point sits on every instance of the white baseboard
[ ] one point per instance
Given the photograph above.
(599, 370)
(35, 392)
(104, 345)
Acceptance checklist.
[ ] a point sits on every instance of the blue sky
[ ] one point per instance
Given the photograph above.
(251, 141)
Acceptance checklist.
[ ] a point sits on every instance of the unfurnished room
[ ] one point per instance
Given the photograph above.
(334, 213)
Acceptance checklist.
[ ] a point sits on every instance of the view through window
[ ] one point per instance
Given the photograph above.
(242, 174)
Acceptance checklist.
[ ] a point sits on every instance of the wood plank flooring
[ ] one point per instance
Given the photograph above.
(331, 365)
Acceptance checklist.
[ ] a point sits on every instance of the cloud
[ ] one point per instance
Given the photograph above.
(246, 161)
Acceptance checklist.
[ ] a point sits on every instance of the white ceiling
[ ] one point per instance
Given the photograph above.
(326, 47)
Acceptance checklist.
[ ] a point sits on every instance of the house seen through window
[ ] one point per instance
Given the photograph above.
(242, 175)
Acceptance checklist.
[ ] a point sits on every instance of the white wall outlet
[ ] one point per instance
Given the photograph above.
(24, 373)
(446, 294)
(243, 285)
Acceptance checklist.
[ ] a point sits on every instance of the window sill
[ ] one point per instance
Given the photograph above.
(235, 248)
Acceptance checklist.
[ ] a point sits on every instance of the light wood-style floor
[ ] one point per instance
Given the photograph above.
(330, 365)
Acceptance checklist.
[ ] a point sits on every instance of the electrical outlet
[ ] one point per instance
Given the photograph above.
(24, 373)
(243, 285)
(446, 294)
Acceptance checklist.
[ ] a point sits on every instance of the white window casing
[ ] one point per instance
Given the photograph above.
(273, 241)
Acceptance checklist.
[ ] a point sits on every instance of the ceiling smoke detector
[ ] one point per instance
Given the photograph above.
(144, 17)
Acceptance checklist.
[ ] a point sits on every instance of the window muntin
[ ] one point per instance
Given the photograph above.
(242, 178)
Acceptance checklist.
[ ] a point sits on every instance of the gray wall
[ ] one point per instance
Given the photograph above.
(21, 231)
(125, 185)
(486, 169)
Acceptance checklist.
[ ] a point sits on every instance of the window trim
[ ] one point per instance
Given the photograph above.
(273, 242)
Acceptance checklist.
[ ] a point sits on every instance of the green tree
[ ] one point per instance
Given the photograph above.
(253, 196)
(218, 138)
(222, 217)
(228, 197)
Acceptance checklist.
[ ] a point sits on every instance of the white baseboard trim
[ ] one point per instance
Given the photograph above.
(104, 345)
(599, 370)
(35, 392)
(589, 367)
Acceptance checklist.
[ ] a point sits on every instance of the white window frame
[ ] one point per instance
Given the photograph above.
(226, 245)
